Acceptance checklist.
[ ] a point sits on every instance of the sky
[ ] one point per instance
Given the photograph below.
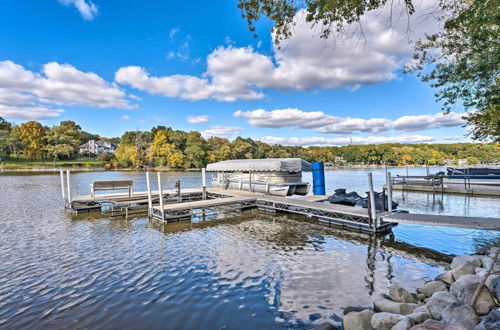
(113, 66)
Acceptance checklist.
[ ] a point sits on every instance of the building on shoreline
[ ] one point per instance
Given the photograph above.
(97, 147)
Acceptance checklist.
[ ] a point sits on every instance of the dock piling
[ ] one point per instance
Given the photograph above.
(69, 188)
(373, 207)
(61, 171)
(160, 194)
(389, 192)
(150, 202)
(204, 183)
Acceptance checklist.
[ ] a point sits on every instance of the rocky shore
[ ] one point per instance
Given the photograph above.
(467, 296)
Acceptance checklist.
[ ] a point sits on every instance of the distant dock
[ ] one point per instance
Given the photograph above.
(442, 185)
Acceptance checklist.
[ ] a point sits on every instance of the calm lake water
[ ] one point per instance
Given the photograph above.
(246, 270)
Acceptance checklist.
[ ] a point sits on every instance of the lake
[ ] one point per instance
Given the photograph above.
(244, 270)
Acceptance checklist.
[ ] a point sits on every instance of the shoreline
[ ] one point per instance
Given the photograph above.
(179, 169)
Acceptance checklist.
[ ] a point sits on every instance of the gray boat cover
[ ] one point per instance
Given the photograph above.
(261, 165)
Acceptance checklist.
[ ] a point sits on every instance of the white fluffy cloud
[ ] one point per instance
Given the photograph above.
(198, 119)
(305, 62)
(286, 117)
(87, 8)
(27, 94)
(222, 131)
(346, 125)
(339, 141)
(29, 112)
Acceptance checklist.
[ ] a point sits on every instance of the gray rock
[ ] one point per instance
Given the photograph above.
(419, 296)
(490, 321)
(446, 277)
(358, 320)
(493, 284)
(419, 317)
(461, 314)
(403, 325)
(438, 302)
(436, 325)
(493, 251)
(400, 294)
(349, 309)
(486, 261)
(433, 286)
(324, 326)
(385, 321)
(389, 306)
(480, 271)
(463, 265)
(421, 309)
(464, 290)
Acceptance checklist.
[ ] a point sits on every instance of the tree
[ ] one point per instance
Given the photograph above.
(5, 130)
(465, 62)
(463, 58)
(62, 140)
(32, 135)
(330, 15)
(196, 150)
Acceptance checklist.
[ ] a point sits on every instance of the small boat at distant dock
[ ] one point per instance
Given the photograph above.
(473, 173)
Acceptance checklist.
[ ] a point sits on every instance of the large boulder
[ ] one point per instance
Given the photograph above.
(436, 326)
(446, 277)
(358, 320)
(490, 321)
(324, 326)
(405, 324)
(486, 261)
(480, 271)
(432, 287)
(465, 264)
(493, 251)
(385, 321)
(461, 314)
(464, 289)
(438, 302)
(400, 294)
(419, 317)
(493, 284)
(389, 306)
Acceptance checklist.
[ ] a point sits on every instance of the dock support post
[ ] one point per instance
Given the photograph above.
(373, 207)
(62, 186)
(69, 189)
(389, 192)
(204, 183)
(250, 182)
(150, 202)
(160, 194)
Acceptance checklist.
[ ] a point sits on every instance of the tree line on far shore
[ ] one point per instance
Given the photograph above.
(165, 147)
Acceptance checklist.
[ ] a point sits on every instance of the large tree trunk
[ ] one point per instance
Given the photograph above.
(55, 159)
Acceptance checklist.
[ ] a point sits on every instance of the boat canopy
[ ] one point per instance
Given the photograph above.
(293, 165)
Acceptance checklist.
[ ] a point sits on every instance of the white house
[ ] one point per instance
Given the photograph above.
(97, 147)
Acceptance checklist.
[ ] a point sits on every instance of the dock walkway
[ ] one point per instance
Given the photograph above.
(442, 220)
(185, 205)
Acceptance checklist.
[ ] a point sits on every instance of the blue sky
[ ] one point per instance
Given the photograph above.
(115, 66)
